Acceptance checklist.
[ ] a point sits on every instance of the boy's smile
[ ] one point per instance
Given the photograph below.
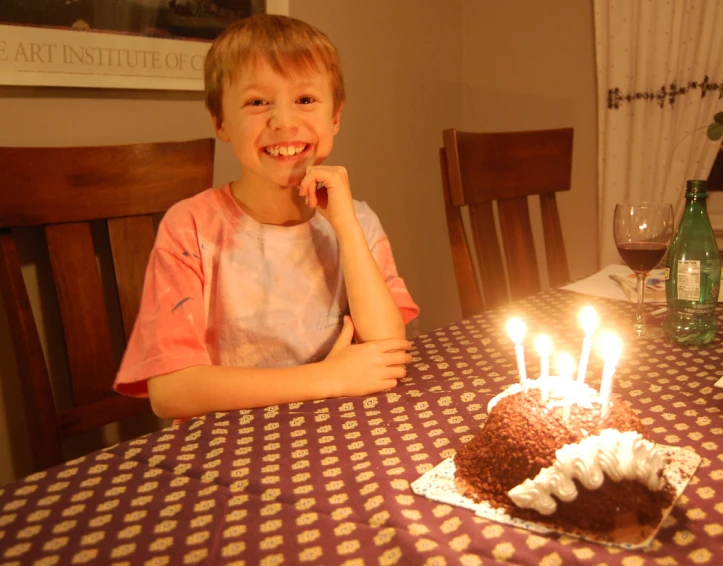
(278, 125)
(286, 150)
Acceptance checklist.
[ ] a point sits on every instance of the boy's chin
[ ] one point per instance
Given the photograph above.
(290, 182)
(293, 179)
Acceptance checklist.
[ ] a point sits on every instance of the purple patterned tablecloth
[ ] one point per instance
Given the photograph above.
(328, 482)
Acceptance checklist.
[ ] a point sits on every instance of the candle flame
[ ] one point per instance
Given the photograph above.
(589, 320)
(516, 330)
(543, 345)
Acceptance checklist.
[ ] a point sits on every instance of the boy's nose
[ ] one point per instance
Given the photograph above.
(282, 118)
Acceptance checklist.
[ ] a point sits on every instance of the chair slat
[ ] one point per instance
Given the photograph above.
(131, 241)
(469, 292)
(82, 309)
(30, 360)
(489, 257)
(453, 169)
(557, 268)
(519, 245)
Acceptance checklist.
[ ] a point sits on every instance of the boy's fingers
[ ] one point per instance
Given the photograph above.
(305, 190)
(347, 331)
(390, 344)
(398, 358)
(345, 336)
(312, 196)
(308, 182)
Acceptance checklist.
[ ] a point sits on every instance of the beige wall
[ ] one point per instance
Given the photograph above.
(413, 68)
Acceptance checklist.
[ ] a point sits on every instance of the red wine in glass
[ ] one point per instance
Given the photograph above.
(642, 256)
(642, 233)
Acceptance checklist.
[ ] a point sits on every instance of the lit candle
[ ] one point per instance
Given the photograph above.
(543, 344)
(589, 322)
(516, 329)
(566, 369)
(611, 347)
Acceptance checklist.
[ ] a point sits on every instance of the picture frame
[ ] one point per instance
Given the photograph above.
(147, 44)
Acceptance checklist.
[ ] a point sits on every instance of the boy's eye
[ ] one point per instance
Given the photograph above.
(255, 102)
(306, 100)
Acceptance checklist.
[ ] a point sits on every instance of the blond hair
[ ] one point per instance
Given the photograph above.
(286, 44)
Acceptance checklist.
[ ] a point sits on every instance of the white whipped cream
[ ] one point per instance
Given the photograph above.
(620, 455)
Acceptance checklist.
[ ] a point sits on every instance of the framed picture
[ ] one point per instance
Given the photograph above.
(138, 44)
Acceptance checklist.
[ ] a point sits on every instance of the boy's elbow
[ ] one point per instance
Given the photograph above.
(161, 408)
(164, 401)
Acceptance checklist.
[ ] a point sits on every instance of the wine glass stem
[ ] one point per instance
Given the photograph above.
(640, 314)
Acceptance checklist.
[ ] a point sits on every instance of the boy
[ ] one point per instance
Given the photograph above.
(254, 291)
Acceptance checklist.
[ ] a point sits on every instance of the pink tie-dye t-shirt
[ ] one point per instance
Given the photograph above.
(223, 289)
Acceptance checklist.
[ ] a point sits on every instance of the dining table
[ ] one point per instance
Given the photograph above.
(329, 481)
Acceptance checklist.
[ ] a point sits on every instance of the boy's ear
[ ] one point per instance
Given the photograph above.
(336, 120)
(220, 130)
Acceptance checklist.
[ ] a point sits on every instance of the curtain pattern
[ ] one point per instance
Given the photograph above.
(660, 81)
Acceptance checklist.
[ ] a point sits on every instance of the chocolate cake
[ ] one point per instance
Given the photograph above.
(585, 472)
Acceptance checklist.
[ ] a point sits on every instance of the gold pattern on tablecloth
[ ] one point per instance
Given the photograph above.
(503, 551)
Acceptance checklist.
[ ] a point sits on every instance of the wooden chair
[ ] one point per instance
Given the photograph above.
(63, 190)
(482, 169)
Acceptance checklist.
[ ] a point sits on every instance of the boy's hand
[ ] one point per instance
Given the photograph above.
(327, 188)
(361, 369)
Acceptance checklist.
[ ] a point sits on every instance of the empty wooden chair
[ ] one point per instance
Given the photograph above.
(64, 190)
(481, 170)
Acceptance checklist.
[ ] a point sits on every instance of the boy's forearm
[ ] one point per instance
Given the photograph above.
(199, 390)
(373, 310)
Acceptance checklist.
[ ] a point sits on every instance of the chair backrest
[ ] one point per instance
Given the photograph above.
(480, 170)
(63, 190)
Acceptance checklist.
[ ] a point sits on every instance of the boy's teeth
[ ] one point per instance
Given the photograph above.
(285, 150)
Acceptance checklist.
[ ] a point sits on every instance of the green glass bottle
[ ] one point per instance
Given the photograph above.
(692, 276)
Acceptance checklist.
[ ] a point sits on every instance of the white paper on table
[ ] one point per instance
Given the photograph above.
(601, 284)
(719, 383)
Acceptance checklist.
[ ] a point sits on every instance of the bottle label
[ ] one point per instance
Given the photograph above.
(689, 280)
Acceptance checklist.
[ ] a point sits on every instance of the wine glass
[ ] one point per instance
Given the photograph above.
(642, 233)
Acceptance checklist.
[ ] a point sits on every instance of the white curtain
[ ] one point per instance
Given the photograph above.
(660, 82)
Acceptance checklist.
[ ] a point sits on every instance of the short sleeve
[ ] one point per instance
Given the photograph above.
(169, 332)
(382, 253)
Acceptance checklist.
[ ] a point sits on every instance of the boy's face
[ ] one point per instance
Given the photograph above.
(278, 126)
